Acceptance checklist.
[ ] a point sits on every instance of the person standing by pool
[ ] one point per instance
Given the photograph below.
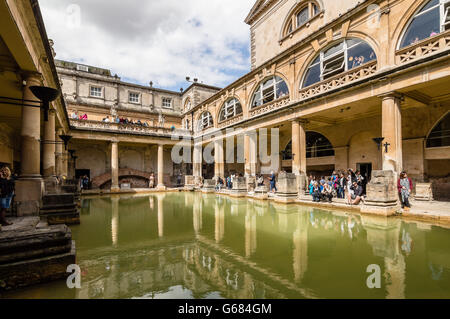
(405, 186)
(151, 181)
(273, 182)
(6, 193)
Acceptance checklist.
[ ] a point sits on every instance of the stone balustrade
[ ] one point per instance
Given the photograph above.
(423, 48)
(268, 107)
(128, 128)
(340, 80)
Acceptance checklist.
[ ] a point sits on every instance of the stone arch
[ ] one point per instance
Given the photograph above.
(323, 146)
(255, 87)
(294, 8)
(222, 105)
(131, 159)
(439, 134)
(362, 149)
(403, 24)
(93, 159)
(197, 117)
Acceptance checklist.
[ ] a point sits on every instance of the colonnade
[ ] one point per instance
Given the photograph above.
(391, 150)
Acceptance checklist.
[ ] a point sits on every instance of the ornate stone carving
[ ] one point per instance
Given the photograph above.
(423, 48)
(339, 80)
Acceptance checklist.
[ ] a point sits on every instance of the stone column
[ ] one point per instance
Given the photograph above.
(197, 162)
(161, 167)
(219, 163)
(31, 132)
(59, 147)
(391, 123)
(30, 187)
(299, 154)
(115, 167)
(251, 153)
(48, 157)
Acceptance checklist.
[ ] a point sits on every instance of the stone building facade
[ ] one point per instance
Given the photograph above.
(332, 76)
(96, 102)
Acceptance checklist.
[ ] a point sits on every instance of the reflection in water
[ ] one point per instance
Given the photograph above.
(115, 219)
(191, 245)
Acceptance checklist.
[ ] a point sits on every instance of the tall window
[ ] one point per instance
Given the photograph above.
(230, 109)
(440, 135)
(269, 90)
(341, 57)
(205, 121)
(432, 19)
(167, 103)
(133, 97)
(96, 91)
(302, 15)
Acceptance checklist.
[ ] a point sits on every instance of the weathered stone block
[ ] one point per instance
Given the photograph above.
(36, 271)
(209, 186)
(287, 185)
(251, 183)
(424, 192)
(382, 194)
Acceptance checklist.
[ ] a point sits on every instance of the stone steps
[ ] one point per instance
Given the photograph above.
(60, 209)
(18, 245)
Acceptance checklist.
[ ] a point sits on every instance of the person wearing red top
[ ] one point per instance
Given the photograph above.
(405, 186)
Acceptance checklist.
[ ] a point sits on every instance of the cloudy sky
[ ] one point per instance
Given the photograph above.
(154, 40)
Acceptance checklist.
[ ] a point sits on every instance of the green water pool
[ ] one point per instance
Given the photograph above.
(192, 245)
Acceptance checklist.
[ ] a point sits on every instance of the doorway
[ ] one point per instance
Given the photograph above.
(366, 170)
(81, 172)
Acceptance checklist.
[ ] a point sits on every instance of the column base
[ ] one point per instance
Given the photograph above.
(29, 192)
(161, 187)
(115, 189)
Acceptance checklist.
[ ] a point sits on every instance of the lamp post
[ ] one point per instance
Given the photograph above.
(378, 141)
(46, 95)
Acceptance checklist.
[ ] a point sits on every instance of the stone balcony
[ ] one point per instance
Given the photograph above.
(98, 126)
(340, 80)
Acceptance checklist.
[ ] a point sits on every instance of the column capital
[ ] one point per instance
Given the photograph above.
(32, 77)
(300, 121)
(391, 95)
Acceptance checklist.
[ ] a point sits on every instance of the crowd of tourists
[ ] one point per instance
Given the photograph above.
(125, 121)
(347, 185)
(352, 186)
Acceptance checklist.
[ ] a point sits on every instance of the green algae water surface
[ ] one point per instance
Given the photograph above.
(191, 245)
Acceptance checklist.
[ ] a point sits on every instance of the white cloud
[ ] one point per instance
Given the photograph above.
(163, 41)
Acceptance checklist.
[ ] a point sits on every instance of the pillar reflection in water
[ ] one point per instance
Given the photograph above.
(115, 220)
(300, 254)
(384, 235)
(160, 198)
(250, 230)
(219, 220)
(197, 215)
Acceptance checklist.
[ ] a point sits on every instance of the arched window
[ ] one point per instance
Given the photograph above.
(317, 145)
(230, 109)
(301, 15)
(205, 121)
(269, 90)
(339, 58)
(432, 19)
(440, 135)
